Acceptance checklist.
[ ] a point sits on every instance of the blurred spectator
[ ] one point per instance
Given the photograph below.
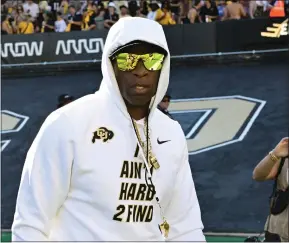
(153, 9)
(164, 105)
(209, 12)
(235, 10)
(194, 13)
(175, 9)
(25, 25)
(87, 6)
(221, 5)
(64, 7)
(89, 17)
(120, 3)
(143, 8)
(99, 16)
(164, 16)
(133, 6)
(74, 19)
(48, 23)
(31, 8)
(19, 11)
(184, 9)
(6, 24)
(60, 25)
(110, 17)
(123, 11)
(259, 8)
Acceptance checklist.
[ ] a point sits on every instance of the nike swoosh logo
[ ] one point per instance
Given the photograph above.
(161, 142)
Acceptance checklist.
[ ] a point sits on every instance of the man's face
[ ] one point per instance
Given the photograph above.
(111, 10)
(95, 8)
(123, 11)
(165, 103)
(72, 10)
(139, 85)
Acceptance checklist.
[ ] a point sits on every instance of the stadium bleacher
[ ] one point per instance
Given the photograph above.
(36, 16)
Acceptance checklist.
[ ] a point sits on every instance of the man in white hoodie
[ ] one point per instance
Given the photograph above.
(110, 166)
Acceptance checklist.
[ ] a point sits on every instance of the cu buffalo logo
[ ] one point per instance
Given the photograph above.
(103, 134)
(11, 122)
(214, 122)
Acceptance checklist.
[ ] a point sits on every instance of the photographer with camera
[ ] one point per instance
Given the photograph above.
(275, 167)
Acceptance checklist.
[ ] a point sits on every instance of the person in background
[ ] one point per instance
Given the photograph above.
(99, 17)
(48, 23)
(110, 17)
(164, 16)
(18, 11)
(221, 5)
(139, 13)
(175, 9)
(164, 105)
(153, 9)
(193, 15)
(133, 6)
(31, 8)
(64, 7)
(209, 12)
(184, 9)
(143, 8)
(235, 10)
(64, 99)
(25, 25)
(86, 6)
(74, 19)
(119, 3)
(60, 25)
(276, 226)
(123, 11)
(6, 24)
(54, 6)
(89, 18)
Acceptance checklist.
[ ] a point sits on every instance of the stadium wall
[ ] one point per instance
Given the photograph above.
(218, 38)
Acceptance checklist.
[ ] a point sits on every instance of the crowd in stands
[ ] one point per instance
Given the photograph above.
(34, 16)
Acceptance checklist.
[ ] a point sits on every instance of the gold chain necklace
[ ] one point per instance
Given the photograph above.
(152, 161)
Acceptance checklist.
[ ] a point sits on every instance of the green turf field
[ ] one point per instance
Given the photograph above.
(6, 237)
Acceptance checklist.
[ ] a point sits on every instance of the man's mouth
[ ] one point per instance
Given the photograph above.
(141, 89)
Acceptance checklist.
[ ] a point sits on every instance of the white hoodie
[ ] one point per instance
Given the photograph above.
(71, 187)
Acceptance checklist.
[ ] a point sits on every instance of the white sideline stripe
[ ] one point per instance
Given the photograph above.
(232, 234)
(207, 233)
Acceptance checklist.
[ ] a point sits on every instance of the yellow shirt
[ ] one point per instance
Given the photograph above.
(65, 7)
(25, 28)
(165, 20)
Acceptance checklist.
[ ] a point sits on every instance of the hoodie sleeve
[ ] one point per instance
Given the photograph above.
(44, 182)
(183, 212)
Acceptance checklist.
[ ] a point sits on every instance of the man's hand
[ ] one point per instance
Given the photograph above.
(281, 150)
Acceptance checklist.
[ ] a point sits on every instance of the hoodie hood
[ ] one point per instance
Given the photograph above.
(121, 33)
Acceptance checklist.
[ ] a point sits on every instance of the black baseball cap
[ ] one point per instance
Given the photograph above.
(137, 42)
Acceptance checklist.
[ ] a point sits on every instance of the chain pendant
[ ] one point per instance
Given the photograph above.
(165, 228)
(153, 161)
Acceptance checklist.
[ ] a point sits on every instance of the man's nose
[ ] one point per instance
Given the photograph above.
(140, 70)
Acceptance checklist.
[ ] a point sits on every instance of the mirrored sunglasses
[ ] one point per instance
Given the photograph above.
(128, 61)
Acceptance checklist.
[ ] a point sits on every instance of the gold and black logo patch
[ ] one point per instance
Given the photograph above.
(102, 133)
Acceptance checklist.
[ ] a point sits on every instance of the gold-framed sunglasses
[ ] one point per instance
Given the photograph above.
(128, 61)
